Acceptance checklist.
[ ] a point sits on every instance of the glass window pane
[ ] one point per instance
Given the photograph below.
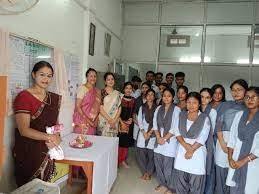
(180, 43)
(256, 46)
(228, 44)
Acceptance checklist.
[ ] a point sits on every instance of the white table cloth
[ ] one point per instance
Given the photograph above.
(103, 153)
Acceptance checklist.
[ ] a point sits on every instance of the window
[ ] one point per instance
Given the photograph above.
(256, 46)
(228, 44)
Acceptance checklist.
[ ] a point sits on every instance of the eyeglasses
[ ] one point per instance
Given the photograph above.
(252, 98)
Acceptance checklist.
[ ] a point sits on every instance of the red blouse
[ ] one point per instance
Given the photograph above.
(25, 102)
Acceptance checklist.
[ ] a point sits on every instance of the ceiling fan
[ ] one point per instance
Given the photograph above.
(13, 7)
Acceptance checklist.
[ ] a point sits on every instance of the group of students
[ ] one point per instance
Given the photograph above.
(202, 143)
(194, 142)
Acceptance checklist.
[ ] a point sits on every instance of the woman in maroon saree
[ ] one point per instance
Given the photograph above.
(35, 108)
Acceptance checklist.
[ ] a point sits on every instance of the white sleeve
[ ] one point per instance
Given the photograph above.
(233, 130)
(140, 118)
(255, 148)
(202, 138)
(155, 119)
(176, 127)
(213, 117)
(175, 120)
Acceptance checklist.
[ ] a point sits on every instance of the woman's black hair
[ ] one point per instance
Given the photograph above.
(185, 89)
(240, 82)
(40, 65)
(171, 90)
(151, 90)
(126, 84)
(163, 84)
(195, 95)
(107, 74)
(206, 90)
(215, 87)
(89, 70)
(253, 88)
(146, 83)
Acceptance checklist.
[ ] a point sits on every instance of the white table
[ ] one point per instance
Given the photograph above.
(99, 161)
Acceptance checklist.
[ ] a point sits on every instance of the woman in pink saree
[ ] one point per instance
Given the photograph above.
(87, 105)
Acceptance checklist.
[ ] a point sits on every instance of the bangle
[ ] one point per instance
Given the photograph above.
(250, 160)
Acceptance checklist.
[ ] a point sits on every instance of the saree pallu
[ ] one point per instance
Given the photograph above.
(30, 156)
(91, 108)
(111, 105)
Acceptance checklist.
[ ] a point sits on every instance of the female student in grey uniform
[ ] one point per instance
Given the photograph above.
(182, 92)
(225, 116)
(164, 122)
(162, 87)
(139, 101)
(206, 98)
(146, 137)
(243, 147)
(190, 161)
(218, 96)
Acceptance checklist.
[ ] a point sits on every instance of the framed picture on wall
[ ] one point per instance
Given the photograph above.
(107, 44)
(91, 39)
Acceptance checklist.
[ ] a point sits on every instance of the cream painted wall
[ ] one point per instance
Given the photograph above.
(107, 17)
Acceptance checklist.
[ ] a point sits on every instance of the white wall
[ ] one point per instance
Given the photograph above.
(107, 17)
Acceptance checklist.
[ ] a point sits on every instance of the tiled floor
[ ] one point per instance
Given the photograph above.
(128, 181)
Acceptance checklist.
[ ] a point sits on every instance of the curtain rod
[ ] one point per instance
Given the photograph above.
(31, 39)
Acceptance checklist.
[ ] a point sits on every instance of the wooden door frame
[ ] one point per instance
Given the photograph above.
(3, 109)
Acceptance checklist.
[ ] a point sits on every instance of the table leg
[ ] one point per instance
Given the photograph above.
(70, 175)
(88, 169)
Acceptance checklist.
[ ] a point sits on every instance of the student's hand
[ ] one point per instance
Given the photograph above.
(160, 141)
(232, 163)
(146, 136)
(224, 147)
(188, 147)
(129, 121)
(150, 132)
(124, 128)
(239, 164)
(188, 155)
